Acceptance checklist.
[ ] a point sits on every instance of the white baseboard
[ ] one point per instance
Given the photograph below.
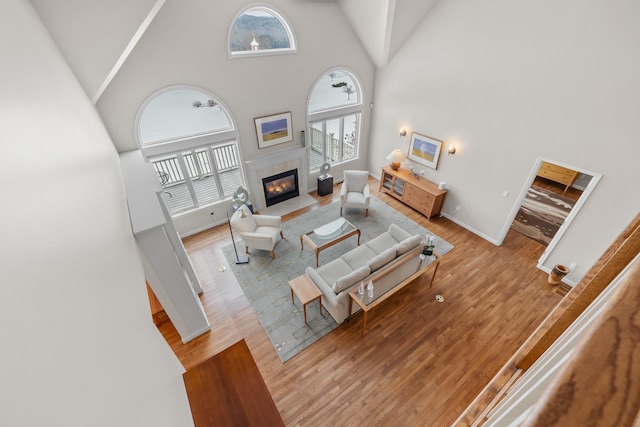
(205, 227)
(471, 229)
(196, 334)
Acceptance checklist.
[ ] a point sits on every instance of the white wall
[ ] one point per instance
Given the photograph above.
(370, 19)
(507, 82)
(79, 346)
(187, 44)
(89, 43)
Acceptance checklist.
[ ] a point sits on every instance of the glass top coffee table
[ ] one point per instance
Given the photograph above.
(328, 235)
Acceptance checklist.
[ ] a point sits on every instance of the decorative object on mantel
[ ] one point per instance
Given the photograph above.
(273, 130)
(425, 150)
(395, 157)
(557, 273)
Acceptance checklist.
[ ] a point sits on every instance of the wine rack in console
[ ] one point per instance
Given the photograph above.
(417, 192)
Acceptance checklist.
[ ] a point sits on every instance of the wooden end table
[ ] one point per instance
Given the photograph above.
(306, 291)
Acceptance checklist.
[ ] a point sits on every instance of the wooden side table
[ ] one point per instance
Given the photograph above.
(306, 291)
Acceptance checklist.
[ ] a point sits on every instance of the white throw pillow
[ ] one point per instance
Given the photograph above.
(408, 244)
(382, 259)
(351, 279)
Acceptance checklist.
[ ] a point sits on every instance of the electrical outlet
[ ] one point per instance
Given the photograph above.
(505, 194)
(457, 208)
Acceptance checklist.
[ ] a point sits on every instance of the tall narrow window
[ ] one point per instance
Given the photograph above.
(335, 109)
(190, 139)
(260, 30)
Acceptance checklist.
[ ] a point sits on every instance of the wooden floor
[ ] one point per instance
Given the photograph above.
(572, 192)
(229, 390)
(421, 363)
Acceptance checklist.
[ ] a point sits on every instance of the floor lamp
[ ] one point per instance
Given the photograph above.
(244, 259)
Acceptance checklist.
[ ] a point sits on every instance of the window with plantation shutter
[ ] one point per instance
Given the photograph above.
(334, 113)
(189, 137)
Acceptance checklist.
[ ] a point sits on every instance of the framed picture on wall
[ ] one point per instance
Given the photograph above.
(273, 130)
(425, 150)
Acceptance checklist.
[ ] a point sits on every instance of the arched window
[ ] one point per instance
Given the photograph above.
(189, 137)
(334, 113)
(259, 30)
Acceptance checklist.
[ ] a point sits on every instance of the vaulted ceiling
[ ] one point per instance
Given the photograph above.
(96, 36)
(384, 26)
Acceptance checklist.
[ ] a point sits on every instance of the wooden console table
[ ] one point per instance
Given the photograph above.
(367, 303)
(417, 192)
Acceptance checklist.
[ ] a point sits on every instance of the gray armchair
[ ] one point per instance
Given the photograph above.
(354, 192)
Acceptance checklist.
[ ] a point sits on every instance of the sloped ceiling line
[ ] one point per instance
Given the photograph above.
(127, 51)
(397, 20)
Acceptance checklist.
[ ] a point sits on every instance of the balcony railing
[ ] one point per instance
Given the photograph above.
(208, 184)
(197, 163)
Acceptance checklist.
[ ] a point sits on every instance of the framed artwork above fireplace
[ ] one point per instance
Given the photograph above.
(273, 130)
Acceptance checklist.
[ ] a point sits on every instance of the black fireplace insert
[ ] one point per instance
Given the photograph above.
(280, 187)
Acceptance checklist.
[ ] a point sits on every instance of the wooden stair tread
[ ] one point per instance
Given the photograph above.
(227, 389)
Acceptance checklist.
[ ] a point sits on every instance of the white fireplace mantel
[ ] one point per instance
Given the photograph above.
(272, 164)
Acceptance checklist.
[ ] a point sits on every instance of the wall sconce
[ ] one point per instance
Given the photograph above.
(395, 157)
(452, 149)
(403, 132)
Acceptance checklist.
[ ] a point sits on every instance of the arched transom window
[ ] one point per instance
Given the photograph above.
(334, 114)
(189, 137)
(259, 30)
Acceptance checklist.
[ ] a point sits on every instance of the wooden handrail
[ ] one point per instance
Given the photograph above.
(552, 327)
(599, 277)
(601, 385)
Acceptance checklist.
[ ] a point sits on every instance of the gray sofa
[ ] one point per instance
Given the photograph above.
(341, 275)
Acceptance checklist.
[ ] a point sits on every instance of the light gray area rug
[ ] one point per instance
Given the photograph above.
(265, 281)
